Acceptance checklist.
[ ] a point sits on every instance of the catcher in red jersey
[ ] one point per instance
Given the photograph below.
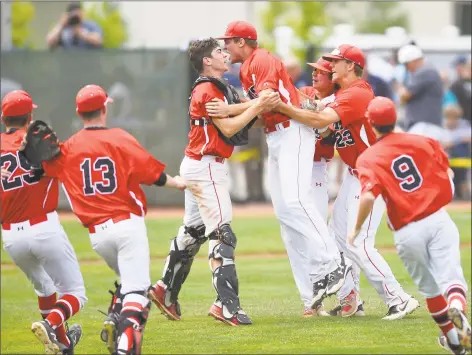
(353, 134)
(101, 170)
(32, 234)
(412, 175)
(208, 209)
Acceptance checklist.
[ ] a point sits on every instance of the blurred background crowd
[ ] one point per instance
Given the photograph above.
(137, 51)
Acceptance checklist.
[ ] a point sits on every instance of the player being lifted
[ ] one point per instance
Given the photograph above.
(412, 175)
(102, 169)
(33, 236)
(208, 210)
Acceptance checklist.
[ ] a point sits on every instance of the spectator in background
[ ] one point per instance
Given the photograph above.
(73, 31)
(449, 98)
(379, 86)
(422, 95)
(458, 145)
(295, 71)
(462, 87)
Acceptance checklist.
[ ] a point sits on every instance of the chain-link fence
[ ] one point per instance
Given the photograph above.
(150, 91)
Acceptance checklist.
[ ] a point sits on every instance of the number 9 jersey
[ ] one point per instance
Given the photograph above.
(25, 195)
(102, 170)
(410, 172)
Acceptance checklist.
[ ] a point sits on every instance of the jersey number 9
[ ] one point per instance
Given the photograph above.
(405, 170)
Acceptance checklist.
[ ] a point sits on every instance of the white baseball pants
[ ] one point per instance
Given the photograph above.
(45, 255)
(207, 198)
(312, 253)
(125, 248)
(321, 198)
(364, 255)
(429, 249)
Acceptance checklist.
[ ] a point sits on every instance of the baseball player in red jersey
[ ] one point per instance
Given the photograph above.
(353, 135)
(101, 170)
(412, 175)
(33, 236)
(291, 149)
(322, 89)
(208, 210)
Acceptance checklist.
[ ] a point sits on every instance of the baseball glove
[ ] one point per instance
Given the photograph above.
(309, 105)
(40, 143)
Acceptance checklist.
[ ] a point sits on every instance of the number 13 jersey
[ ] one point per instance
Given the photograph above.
(25, 195)
(102, 170)
(410, 172)
(353, 133)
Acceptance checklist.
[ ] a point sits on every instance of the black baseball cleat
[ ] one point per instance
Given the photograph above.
(74, 333)
(319, 292)
(335, 281)
(47, 336)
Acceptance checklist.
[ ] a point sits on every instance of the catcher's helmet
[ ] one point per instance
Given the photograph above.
(381, 112)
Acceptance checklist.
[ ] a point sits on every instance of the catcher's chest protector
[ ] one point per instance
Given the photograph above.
(232, 97)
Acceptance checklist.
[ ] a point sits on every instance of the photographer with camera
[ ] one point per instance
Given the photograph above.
(73, 31)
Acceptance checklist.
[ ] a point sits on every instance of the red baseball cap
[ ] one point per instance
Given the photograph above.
(381, 112)
(322, 65)
(347, 52)
(91, 98)
(17, 103)
(240, 29)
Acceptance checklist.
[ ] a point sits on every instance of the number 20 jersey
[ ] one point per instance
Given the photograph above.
(24, 195)
(102, 170)
(410, 172)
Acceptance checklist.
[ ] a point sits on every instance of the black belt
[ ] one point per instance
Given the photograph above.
(200, 122)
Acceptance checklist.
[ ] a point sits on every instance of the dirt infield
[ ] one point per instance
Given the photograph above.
(249, 210)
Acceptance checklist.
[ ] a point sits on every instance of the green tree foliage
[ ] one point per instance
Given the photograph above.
(382, 15)
(22, 13)
(300, 16)
(108, 16)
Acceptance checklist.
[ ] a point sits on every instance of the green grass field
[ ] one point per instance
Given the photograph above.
(268, 295)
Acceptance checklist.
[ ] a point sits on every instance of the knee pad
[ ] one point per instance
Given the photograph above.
(179, 262)
(225, 250)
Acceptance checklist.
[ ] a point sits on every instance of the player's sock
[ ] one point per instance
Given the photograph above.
(46, 305)
(456, 297)
(64, 308)
(134, 312)
(438, 307)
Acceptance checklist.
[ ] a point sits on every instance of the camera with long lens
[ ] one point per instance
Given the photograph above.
(73, 20)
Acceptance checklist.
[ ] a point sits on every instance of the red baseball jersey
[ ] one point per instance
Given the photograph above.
(322, 150)
(264, 71)
(102, 170)
(24, 194)
(204, 140)
(353, 132)
(410, 172)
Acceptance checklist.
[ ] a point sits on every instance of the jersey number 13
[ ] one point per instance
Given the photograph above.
(107, 184)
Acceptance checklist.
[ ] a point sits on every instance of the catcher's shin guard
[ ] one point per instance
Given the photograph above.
(225, 279)
(179, 262)
(131, 325)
